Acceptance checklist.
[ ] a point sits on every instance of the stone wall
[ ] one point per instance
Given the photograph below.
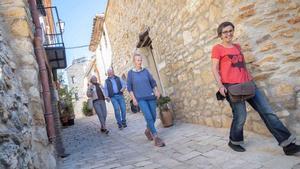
(23, 137)
(183, 33)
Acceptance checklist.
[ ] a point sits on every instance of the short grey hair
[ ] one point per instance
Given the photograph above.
(110, 69)
(92, 77)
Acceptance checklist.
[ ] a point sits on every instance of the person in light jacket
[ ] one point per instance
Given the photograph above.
(95, 92)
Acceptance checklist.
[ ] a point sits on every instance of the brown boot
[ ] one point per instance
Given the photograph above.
(158, 142)
(148, 135)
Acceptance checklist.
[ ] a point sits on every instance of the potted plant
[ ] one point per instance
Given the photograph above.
(67, 115)
(165, 113)
(86, 110)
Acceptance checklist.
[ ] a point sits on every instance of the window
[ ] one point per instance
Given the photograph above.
(73, 79)
(76, 97)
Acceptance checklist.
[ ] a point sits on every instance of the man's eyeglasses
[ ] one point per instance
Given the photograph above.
(226, 32)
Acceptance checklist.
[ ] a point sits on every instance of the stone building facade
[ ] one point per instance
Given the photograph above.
(181, 34)
(101, 47)
(76, 76)
(23, 137)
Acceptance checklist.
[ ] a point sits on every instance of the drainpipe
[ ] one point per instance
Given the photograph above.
(40, 57)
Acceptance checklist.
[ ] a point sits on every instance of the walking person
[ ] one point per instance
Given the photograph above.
(95, 92)
(228, 67)
(144, 92)
(114, 87)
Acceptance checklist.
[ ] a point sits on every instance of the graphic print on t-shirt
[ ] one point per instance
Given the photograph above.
(237, 61)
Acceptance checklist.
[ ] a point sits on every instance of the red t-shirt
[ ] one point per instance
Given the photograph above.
(232, 64)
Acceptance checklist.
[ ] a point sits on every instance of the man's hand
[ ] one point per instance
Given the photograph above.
(157, 94)
(135, 102)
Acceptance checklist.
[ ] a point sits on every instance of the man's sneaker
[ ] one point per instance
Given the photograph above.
(120, 126)
(291, 149)
(124, 125)
(237, 148)
(158, 142)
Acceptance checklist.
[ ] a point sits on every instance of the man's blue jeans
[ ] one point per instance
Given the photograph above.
(118, 103)
(261, 105)
(148, 107)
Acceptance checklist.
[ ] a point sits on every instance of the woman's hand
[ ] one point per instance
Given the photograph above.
(223, 91)
(107, 99)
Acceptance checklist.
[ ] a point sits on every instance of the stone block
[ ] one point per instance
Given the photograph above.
(267, 47)
(267, 59)
(249, 57)
(207, 76)
(283, 114)
(287, 33)
(268, 67)
(282, 16)
(284, 89)
(187, 37)
(217, 121)
(264, 38)
(37, 113)
(247, 13)
(294, 20)
(247, 7)
(292, 58)
(262, 76)
(209, 121)
(14, 12)
(226, 121)
(277, 26)
(20, 27)
(295, 73)
(297, 46)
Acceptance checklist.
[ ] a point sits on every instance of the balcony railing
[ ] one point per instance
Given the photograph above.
(53, 38)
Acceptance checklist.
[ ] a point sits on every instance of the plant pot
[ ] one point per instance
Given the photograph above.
(64, 121)
(166, 118)
(71, 122)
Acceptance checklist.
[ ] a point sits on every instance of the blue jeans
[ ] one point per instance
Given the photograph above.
(118, 103)
(261, 105)
(148, 107)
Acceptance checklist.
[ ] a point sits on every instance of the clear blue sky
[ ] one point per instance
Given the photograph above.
(78, 17)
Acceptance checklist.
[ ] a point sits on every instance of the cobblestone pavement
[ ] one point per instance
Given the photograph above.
(188, 146)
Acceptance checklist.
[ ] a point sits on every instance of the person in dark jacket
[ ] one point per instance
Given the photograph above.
(114, 87)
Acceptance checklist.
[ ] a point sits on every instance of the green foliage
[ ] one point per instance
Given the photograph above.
(66, 98)
(85, 109)
(162, 102)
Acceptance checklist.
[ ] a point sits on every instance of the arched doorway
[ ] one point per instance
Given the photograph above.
(144, 46)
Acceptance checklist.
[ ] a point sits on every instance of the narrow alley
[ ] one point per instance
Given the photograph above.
(188, 146)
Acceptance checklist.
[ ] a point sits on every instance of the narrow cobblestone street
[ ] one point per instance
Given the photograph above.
(189, 146)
